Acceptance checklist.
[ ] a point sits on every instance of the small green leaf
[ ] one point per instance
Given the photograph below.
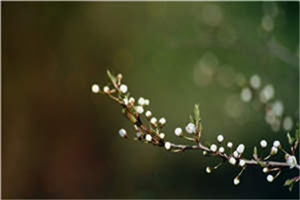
(297, 134)
(255, 152)
(191, 119)
(288, 182)
(261, 163)
(197, 113)
(290, 138)
(291, 187)
(111, 77)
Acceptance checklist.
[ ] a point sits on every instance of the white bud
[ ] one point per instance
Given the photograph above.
(122, 132)
(204, 153)
(274, 150)
(141, 101)
(265, 170)
(270, 178)
(246, 95)
(146, 102)
(236, 181)
(148, 137)
(139, 109)
(162, 121)
(220, 138)
(288, 123)
(162, 135)
(263, 143)
(138, 134)
(208, 170)
(255, 81)
(240, 148)
(232, 160)
(291, 160)
(125, 100)
(242, 163)
(229, 145)
(123, 88)
(190, 128)
(148, 114)
(168, 145)
(95, 88)
(178, 131)
(213, 148)
(276, 143)
(153, 120)
(106, 89)
(131, 100)
(221, 150)
(235, 154)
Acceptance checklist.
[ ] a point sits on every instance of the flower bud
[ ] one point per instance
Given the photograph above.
(162, 121)
(220, 138)
(178, 132)
(95, 88)
(213, 148)
(106, 89)
(242, 163)
(236, 181)
(146, 102)
(131, 100)
(148, 138)
(123, 133)
(232, 160)
(291, 160)
(221, 150)
(204, 153)
(139, 109)
(229, 145)
(276, 143)
(240, 149)
(148, 114)
(274, 150)
(270, 178)
(235, 154)
(263, 143)
(162, 135)
(141, 101)
(153, 120)
(168, 145)
(208, 170)
(265, 170)
(190, 128)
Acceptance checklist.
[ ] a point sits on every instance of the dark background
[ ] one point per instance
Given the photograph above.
(61, 141)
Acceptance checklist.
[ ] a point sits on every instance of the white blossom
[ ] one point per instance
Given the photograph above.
(123, 88)
(139, 109)
(220, 138)
(162, 121)
(240, 148)
(236, 181)
(148, 114)
(276, 143)
(148, 137)
(122, 132)
(190, 128)
(232, 160)
(106, 89)
(125, 101)
(178, 131)
(267, 93)
(277, 108)
(229, 145)
(213, 148)
(168, 145)
(95, 88)
(263, 143)
(291, 160)
(270, 178)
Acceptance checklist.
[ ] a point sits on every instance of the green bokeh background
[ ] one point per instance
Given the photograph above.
(61, 141)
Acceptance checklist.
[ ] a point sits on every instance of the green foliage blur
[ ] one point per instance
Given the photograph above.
(61, 141)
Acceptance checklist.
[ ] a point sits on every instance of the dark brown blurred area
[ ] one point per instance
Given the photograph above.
(60, 141)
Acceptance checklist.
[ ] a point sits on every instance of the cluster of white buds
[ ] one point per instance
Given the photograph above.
(143, 102)
(190, 128)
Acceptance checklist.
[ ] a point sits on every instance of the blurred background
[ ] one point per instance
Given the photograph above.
(61, 141)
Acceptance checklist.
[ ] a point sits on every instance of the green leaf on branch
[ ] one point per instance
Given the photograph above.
(290, 138)
(111, 77)
(197, 113)
(191, 119)
(255, 152)
(290, 183)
